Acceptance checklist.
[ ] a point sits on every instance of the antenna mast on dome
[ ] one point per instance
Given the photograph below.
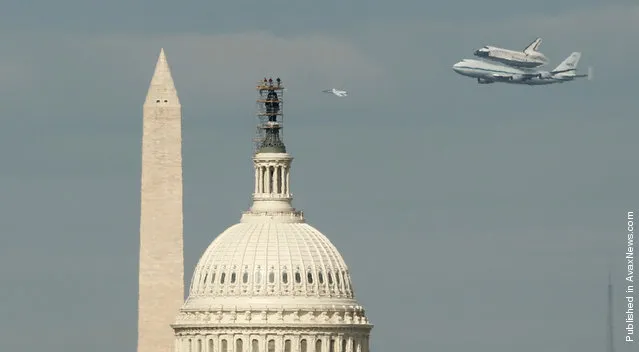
(269, 136)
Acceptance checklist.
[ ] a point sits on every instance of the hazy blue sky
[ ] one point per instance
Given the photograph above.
(472, 217)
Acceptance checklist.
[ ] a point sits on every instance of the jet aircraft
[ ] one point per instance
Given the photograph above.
(337, 92)
(530, 57)
(489, 72)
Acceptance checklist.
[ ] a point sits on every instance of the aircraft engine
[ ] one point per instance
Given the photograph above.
(544, 75)
(517, 78)
(483, 81)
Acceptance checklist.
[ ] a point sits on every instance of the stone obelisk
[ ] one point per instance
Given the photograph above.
(161, 291)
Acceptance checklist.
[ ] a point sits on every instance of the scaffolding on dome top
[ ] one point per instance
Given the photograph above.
(269, 135)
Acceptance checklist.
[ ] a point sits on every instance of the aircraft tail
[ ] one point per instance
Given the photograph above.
(569, 64)
(532, 47)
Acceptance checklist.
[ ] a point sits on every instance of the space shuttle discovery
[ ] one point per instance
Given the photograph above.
(530, 57)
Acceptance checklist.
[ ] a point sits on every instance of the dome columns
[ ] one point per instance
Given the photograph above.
(272, 192)
(272, 179)
(285, 340)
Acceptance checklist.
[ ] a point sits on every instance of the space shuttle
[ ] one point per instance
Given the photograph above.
(530, 57)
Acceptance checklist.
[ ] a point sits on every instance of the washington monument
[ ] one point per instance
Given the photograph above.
(161, 223)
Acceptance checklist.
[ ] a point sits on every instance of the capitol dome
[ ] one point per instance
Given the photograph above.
(271, 264)
(272, 282)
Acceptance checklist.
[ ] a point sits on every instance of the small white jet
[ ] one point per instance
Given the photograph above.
(489, 72)
(528, 58)
(337, 92)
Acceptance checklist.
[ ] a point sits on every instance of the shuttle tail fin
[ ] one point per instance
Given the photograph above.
(569, 64)
(532, 47)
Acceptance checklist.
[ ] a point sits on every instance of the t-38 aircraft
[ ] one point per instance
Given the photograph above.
(337, 92)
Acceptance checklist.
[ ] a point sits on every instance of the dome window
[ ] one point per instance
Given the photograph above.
(285, 277)
(271, 345)
(255, 346)
(245, 277)
(222, 277)
(233, 278)
(258, 277)
(303, 346)
(309, 277)
(271, 277)
(298, 277)
(213, 278)
(320, 277)
(330, 278)
(287, 346)
(318, 345)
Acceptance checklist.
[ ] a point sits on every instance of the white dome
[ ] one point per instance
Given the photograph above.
(271, 283)
(270, 264)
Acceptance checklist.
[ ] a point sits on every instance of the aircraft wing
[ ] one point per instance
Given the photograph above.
(513, 77)
(501, 76)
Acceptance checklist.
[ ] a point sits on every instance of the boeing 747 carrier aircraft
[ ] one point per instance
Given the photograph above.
(489, 72)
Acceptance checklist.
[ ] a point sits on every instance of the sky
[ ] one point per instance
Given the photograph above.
(481, 217)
